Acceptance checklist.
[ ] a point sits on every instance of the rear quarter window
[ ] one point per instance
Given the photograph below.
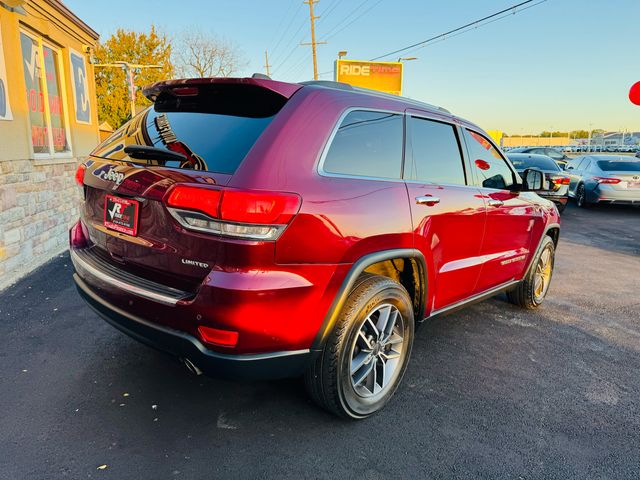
(368, 144)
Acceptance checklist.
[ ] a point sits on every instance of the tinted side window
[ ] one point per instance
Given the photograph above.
(583, 163)
(436, 154)
(573, 164)
(490, 167)
(367, 143)
(554, 154)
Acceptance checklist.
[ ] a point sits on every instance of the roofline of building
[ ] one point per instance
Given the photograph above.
(69, 15)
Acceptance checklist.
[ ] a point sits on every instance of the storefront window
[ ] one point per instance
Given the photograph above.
(41, 64)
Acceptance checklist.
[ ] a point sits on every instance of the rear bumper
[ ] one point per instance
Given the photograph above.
(271, 365)
(557, 199)
(611, 195)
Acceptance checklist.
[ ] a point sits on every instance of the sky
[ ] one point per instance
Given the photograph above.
(560, 65)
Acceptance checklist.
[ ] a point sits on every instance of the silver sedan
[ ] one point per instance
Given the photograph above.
(604, 179)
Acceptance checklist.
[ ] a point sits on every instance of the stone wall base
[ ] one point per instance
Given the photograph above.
(38, 204)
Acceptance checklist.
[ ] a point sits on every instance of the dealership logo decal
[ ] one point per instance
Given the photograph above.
(108, 173)
(116, 211)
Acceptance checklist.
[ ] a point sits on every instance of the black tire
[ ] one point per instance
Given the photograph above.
(561, 207)
(329, 378)
(524, 294)
(581, 197)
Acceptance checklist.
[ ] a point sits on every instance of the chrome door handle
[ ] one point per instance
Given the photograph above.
(495, 203)
(427, 200)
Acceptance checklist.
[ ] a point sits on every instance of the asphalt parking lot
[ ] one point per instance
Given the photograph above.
(491, 391)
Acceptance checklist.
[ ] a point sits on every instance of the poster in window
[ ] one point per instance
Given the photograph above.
(80, 87)
(56, 100)
(5, 107)
(33, 78)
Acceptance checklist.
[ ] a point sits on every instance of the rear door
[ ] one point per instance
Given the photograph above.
(511, 215)
(575, 169)
(448, 213)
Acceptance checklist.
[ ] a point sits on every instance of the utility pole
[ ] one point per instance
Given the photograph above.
(266, 62)
(129, 72)
(313, 43)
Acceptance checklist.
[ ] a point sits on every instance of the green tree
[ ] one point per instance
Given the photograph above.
(579, 134)
(112, 86)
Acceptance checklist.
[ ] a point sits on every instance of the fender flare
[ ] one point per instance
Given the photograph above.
(535, 255)
(349, 281)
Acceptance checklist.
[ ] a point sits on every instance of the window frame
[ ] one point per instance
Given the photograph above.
(59, 64)
(325, 150)
(408, 162)
(517, 180)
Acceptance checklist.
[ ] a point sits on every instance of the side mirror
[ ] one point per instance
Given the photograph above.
(534, 180)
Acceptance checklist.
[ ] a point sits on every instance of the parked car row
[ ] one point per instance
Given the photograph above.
(590, 179)
(601, 149)
(557, 182)
(578, 149)
(604, 179)
(556, 155)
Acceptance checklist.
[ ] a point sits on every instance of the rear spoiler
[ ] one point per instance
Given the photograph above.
(284, 89)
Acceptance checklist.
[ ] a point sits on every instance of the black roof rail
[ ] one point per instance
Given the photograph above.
(390, 96)
(346, 86)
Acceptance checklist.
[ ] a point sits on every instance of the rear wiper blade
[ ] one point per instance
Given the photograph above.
(144, 152)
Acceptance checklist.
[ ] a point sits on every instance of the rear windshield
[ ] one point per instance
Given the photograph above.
(619, 166)
(538, 161)
(213, 130)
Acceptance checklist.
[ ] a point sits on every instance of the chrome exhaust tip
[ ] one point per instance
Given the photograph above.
(191, 367)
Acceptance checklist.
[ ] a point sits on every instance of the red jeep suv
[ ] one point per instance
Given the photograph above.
(262, 229)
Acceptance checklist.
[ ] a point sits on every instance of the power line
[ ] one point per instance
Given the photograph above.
(346, 17)
(284, 32)
(297, 67)
(295, 47)
(331, 35)
(279, 62)
(327, 11)
(481, 25)
(281, 22)
(463, 27)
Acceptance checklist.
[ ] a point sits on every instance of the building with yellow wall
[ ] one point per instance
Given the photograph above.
(48, 124)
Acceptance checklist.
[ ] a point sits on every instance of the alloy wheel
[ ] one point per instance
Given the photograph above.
(542, 276)
(377, 350)
(581, 196)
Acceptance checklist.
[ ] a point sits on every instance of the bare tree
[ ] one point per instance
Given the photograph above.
(198, 54)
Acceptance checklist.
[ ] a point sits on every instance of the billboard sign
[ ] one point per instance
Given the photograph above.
(382, 76)
(5, 107)
(80, 87)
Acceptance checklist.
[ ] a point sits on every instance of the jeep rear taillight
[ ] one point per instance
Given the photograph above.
(80, 174)
(249, 214)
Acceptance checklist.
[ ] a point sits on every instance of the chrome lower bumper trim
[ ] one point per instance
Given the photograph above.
(85, 262)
